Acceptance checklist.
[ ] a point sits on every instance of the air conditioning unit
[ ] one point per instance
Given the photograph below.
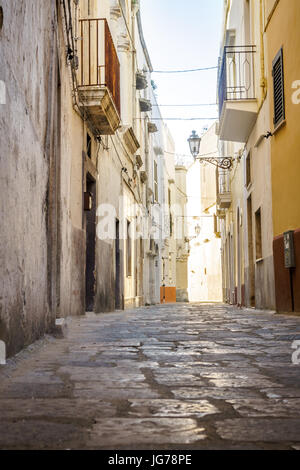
(145, 105)
(138, 161)
(141, 81)
(143, 176)
(152, 128)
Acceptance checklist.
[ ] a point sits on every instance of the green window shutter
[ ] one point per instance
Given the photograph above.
(278, 86)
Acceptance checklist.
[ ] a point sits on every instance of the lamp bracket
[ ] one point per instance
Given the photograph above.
(225, 163)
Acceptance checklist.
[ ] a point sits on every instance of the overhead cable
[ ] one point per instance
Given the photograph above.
(186, 71)
(183, 119)
(184, 105)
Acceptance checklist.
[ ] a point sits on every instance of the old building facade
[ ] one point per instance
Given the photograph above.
(283, 67)
(244, 192)
(258, 201)
(204, 264)
(182, 241)
(81, 174)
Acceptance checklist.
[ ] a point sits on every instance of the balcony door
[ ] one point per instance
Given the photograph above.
(247, 22)
(118, 302)
(239, 258)
(90, 279)
(251, 271)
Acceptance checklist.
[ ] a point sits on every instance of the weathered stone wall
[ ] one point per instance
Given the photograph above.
(70, 256)
(109, 195)
(27, 67)
(41, 135)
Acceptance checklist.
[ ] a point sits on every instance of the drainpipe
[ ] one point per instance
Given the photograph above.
(225, 20)
(263, 80)
(134, 109)
(147, 162)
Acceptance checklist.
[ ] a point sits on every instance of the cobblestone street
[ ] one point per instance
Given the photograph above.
(165, 377)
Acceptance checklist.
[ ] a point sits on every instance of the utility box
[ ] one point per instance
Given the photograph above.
(289, 250)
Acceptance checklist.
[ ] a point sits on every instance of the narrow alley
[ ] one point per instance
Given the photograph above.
(150, 226)
(188, 376)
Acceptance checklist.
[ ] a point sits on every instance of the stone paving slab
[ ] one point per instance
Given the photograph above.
(154, 431)
(185, 376)
(278, 408)
(171, 408)
(60, 408)
(214, 393)
(256, 430)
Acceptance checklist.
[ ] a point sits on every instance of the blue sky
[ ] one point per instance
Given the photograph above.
(184, 35)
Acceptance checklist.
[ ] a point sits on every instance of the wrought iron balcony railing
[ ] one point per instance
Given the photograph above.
(236, 75)
(224, 196)
(98, 60)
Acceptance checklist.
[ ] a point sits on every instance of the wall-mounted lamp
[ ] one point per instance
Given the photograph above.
(195, 142)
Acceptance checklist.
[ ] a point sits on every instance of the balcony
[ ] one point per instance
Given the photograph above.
(224, 200)
(237, 98)
(99, 77)
(131, 141)
(224, 196)
(141, 81)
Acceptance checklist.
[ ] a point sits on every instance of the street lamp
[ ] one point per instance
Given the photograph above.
(197, 230)
(194, 143)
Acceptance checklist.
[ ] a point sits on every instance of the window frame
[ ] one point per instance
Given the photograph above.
(279, 56)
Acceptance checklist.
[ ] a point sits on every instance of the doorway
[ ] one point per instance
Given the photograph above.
(251, 273)
(118, 304)
(90, 278)
(239, 258)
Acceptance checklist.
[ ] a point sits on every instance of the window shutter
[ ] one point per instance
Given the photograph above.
(155, 181)
(278, 85)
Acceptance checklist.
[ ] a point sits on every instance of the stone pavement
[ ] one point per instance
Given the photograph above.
(168, 377)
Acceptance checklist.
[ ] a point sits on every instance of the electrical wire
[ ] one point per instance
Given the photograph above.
(184, 105)
(189, 156)
(123, 165)
(181, 119)
(186, 71)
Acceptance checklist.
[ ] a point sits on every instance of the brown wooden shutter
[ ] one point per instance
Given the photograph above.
(278, 85)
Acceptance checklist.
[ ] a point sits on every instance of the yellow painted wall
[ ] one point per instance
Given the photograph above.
(283, 31)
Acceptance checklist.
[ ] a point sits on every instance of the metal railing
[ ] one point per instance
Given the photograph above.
(98, 60)
(223, 182)
(236, 74)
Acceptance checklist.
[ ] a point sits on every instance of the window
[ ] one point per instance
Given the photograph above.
(142, 248)
(128, 250)
(171, 225)
(258, 235)
(248, 169)
(1, 18)
(170, 213)
(155, 182)
(278, 85)
(88, 145)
